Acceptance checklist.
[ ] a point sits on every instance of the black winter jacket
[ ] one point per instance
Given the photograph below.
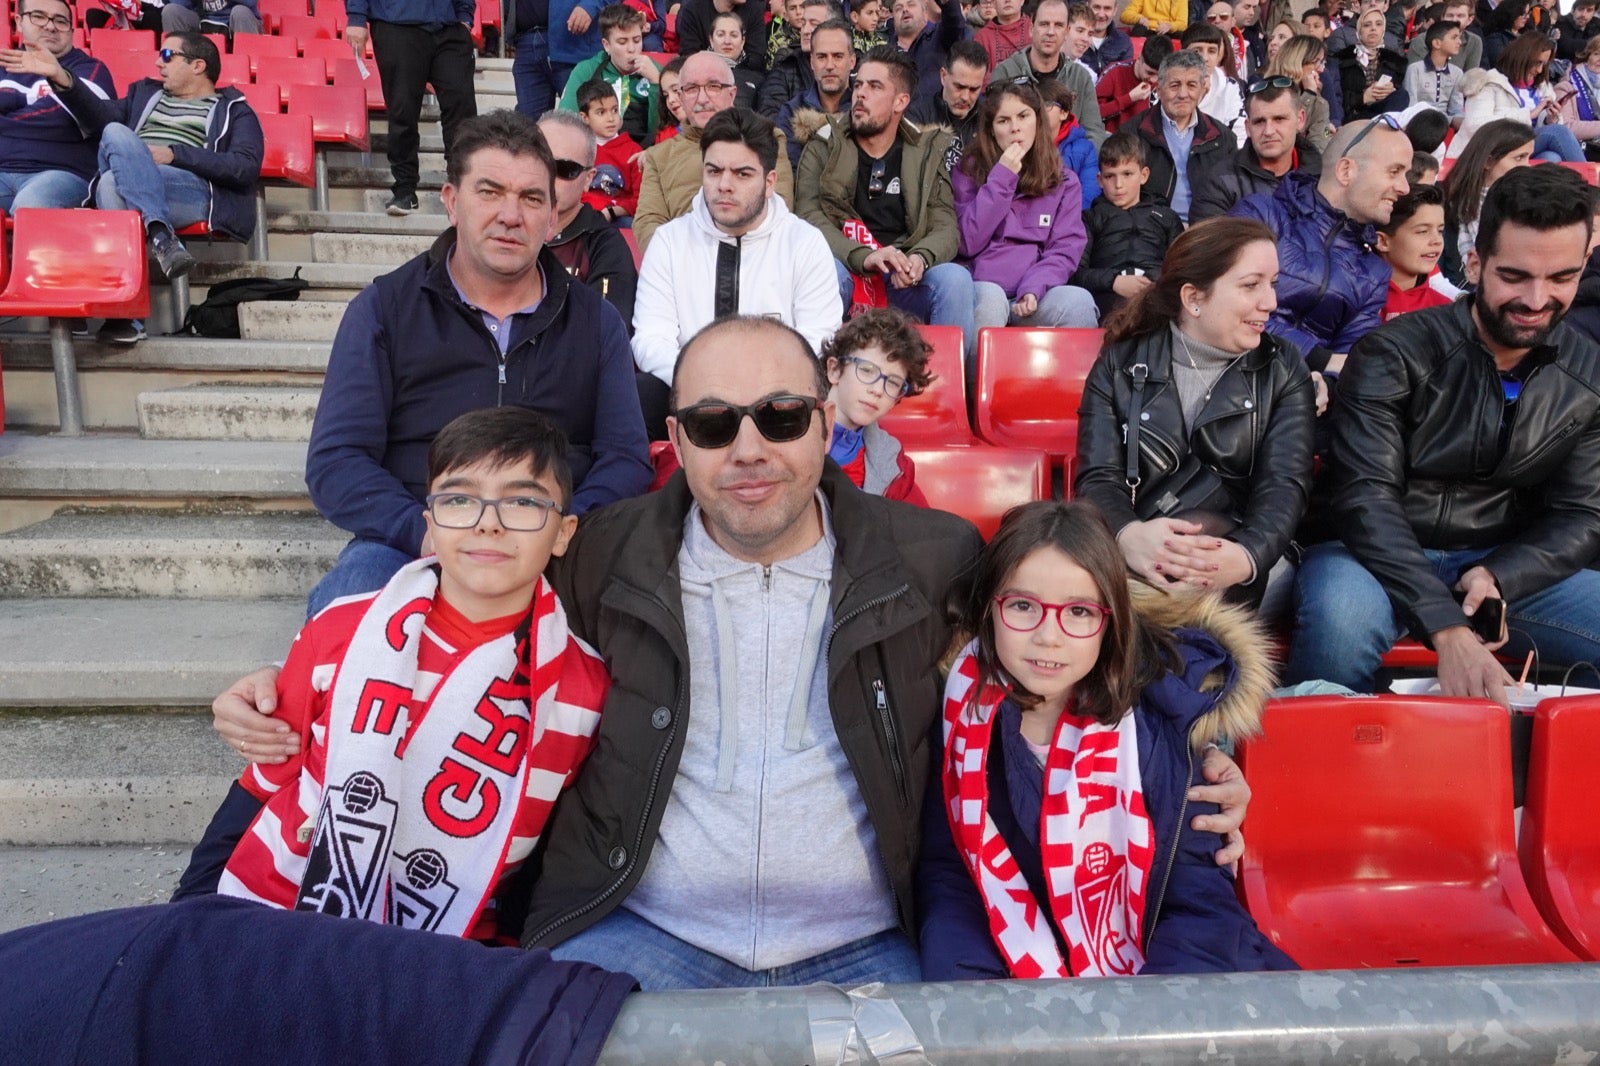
(1224, 182)
(619, 583)
(1353, 83)
(596, 254)
(1124, 239)
(789, 77)
(1255, 432)
(1418, 461)
(1211, 140)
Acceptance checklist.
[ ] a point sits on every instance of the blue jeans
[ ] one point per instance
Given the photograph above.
(1557, 144)
(530, 71)
(41, 188)
(363, 566)
(945, 298)
(129, 178)
(624, 942)
(1344, 622)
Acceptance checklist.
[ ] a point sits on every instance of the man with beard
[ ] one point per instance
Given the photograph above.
(739, 250)
(954, 107)
(1465, 446)
(928, 42)
(832, 60)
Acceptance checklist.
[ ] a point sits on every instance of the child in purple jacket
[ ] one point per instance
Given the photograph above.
(1021, 217)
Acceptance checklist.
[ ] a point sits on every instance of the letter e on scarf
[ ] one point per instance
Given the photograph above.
(388, 699)
(464, 783)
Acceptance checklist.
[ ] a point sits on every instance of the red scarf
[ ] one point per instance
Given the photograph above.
(1093, 808)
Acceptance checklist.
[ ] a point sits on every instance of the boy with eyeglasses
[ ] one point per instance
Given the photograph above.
(439, 717)
(875, 360)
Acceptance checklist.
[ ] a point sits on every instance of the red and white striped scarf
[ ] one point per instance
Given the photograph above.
(1093, 808)
(413, 825)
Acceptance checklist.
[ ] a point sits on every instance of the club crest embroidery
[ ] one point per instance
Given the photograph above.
(355, 829)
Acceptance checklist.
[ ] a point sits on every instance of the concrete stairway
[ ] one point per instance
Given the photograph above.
(146, 565)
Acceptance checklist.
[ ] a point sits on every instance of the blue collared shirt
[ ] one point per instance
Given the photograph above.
(1178, 143)
(499, 328)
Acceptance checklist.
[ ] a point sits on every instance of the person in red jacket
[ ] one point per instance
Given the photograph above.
(874, 361)
(1126, 90)
(1412, 241)
(614, 189)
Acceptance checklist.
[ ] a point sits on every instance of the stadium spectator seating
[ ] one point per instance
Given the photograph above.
(1559, 843)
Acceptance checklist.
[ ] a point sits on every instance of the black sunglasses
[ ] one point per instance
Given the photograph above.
(1382, 120)
(167, 55)
(567, 169)
(777, 418)
(1261, 85)
(877, 178)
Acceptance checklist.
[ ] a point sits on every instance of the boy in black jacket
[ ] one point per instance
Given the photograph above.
(1129, 231)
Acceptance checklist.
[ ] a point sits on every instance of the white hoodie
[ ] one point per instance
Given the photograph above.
(785, 272)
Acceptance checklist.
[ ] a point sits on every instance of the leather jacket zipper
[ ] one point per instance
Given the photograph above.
(891, 734)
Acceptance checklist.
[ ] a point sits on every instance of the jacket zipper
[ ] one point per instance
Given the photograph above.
(1172, 853)
(880, 699)
(638, 840)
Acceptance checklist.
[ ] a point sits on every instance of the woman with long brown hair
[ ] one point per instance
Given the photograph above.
(1195, 430)
(1020, 216)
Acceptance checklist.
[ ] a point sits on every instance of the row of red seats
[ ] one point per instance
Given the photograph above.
(1381, 833)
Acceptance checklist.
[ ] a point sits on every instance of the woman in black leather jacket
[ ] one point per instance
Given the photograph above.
(1221, 460)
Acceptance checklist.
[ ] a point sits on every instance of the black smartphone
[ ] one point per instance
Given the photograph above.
(1489, 621)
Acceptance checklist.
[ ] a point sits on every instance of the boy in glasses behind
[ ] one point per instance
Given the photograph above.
(438, 718)
(874, 361)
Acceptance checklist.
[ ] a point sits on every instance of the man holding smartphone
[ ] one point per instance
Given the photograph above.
(1465, 444)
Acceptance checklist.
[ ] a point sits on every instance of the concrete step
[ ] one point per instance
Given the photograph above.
(430, 139)
(228, 412)
(75, 780)
(41, 884)
(341, 158)
(114, 465)
(136, 654)
(176, 556)
(378, 177)
(388, 249)
(320, 275)
(375, 222)
(31, 351)
(491, 81)
(427, 199)
(303, 320)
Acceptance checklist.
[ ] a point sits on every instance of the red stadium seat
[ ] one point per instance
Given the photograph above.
(936, 417)
(1590, 171)
(290, 157)
(980, 483)
(281, 71)
(255, 46)
(1559, 844)
(307, 27)
(633, 245)
(111, 40)
(338, 117)
(128, 67)
(346, 74)
(263, 99)
(272, 12)
(1381, 835)
(1030, 382)
(235, 71)
(331, 50)
(68, 264)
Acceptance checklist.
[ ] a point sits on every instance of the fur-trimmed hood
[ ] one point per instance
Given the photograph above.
(810, 122)
(1237, 713)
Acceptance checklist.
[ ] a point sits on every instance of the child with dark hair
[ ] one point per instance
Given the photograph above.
(1077, 150)
(439, 717)
(621, 63)
(1426, 128)
(1411, 242)
(614, 189)
(1129, 230)
(1424, 169)
(874, 361)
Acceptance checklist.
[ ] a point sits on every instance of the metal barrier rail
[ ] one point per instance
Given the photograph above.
(1498, 1014)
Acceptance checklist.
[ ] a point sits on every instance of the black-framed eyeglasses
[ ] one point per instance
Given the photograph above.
(1382, 120)
(568, 169)
(778, 418)
(1080, 619)
(870, 373)
(519, 514)
(1261, 85)
(41, 20)
(877, 178)
(167, 55)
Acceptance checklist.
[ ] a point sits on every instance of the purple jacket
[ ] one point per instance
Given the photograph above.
(1022, 244)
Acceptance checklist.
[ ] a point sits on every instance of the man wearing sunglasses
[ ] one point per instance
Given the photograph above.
(1274, 122)
(591, 249)
(1332, 286)
(178, 150)
(739, 250)
(46, 159)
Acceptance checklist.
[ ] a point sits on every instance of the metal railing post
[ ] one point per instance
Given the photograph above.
(69, 402)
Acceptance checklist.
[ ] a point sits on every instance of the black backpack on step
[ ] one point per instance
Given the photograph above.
(218, 315)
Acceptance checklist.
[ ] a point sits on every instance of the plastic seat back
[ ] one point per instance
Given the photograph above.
(329, 49)
(1560, 844)
(981, 483)
(338, 114)
(309, 27)
(263, 99)
(235, 71)
(257, 46)
(128, 67)
(71, 263)
(290, 151)
(1590, 171)
(1380, 834)
(113, 40)
(273, 11)
(347, 74)
(1030, 382)
(286, 71)
(937, 416)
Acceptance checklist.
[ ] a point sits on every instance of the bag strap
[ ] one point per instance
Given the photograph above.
(1140, 373)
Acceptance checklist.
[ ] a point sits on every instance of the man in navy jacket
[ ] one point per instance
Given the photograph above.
(485, 317)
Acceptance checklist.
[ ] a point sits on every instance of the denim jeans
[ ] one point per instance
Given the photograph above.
(129, 178)
(625, 942)
(1062, 305)
(530, 71)
(945, 298)
(41, 188)
(178, 19)
(1344, 622)
(363, 566)
(1557, 144)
